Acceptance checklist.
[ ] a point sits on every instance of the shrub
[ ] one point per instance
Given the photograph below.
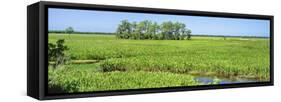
(56, 53)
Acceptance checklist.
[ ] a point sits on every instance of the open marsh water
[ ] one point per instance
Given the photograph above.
(208, 79)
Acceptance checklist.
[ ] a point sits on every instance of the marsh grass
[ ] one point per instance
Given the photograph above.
(134, 61)
(71, 80)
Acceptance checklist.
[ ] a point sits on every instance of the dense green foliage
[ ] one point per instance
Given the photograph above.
(56, 53)
(151, 30)
(122, 61)
(73, 80)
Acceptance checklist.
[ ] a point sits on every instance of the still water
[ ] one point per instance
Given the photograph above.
(207, 80)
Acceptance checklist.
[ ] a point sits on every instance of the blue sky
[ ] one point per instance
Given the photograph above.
(106, 21)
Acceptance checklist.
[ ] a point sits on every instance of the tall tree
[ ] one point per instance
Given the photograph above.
(167, 30)
(141, 29)
(188, 32)
(69, 30)
(134, 34)
(154, 30)
(124, 29)
(176, 30)
(151, 30)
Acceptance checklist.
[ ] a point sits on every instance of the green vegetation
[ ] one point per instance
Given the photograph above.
(117, 64)
(56, 53)
(151, 30)
(73, 80)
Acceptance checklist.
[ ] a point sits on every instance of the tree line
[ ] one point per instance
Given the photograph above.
(146, 29)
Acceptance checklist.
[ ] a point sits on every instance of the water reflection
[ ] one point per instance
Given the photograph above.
(208, 80)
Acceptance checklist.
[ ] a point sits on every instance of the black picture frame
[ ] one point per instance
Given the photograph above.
(37, 40)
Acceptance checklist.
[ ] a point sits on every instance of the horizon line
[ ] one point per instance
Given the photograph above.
(113, 33)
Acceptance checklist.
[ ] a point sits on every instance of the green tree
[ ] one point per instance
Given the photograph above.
(154, 30)
(183, 33)
(176, 30)
(134, 34)
(69, 30)
(188, 32)
(167, 30)
(151, 30)
(124, 30)
(141, 29)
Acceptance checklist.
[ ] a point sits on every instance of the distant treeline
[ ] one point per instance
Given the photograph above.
(152, 30)
(78, 32)
(228, 36)
(146, 36)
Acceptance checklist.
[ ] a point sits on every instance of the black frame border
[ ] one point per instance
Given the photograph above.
(43, 41)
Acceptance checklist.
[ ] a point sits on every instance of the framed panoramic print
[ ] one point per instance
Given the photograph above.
(82, 50)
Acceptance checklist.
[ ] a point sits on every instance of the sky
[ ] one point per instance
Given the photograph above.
(107, 21)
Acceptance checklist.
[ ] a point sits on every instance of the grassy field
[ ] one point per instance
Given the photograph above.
(129, 64)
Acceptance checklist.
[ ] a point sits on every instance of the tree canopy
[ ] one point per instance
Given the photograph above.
(152, 30)
(69, 30)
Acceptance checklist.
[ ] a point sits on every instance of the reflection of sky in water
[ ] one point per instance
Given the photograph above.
(207, 80)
